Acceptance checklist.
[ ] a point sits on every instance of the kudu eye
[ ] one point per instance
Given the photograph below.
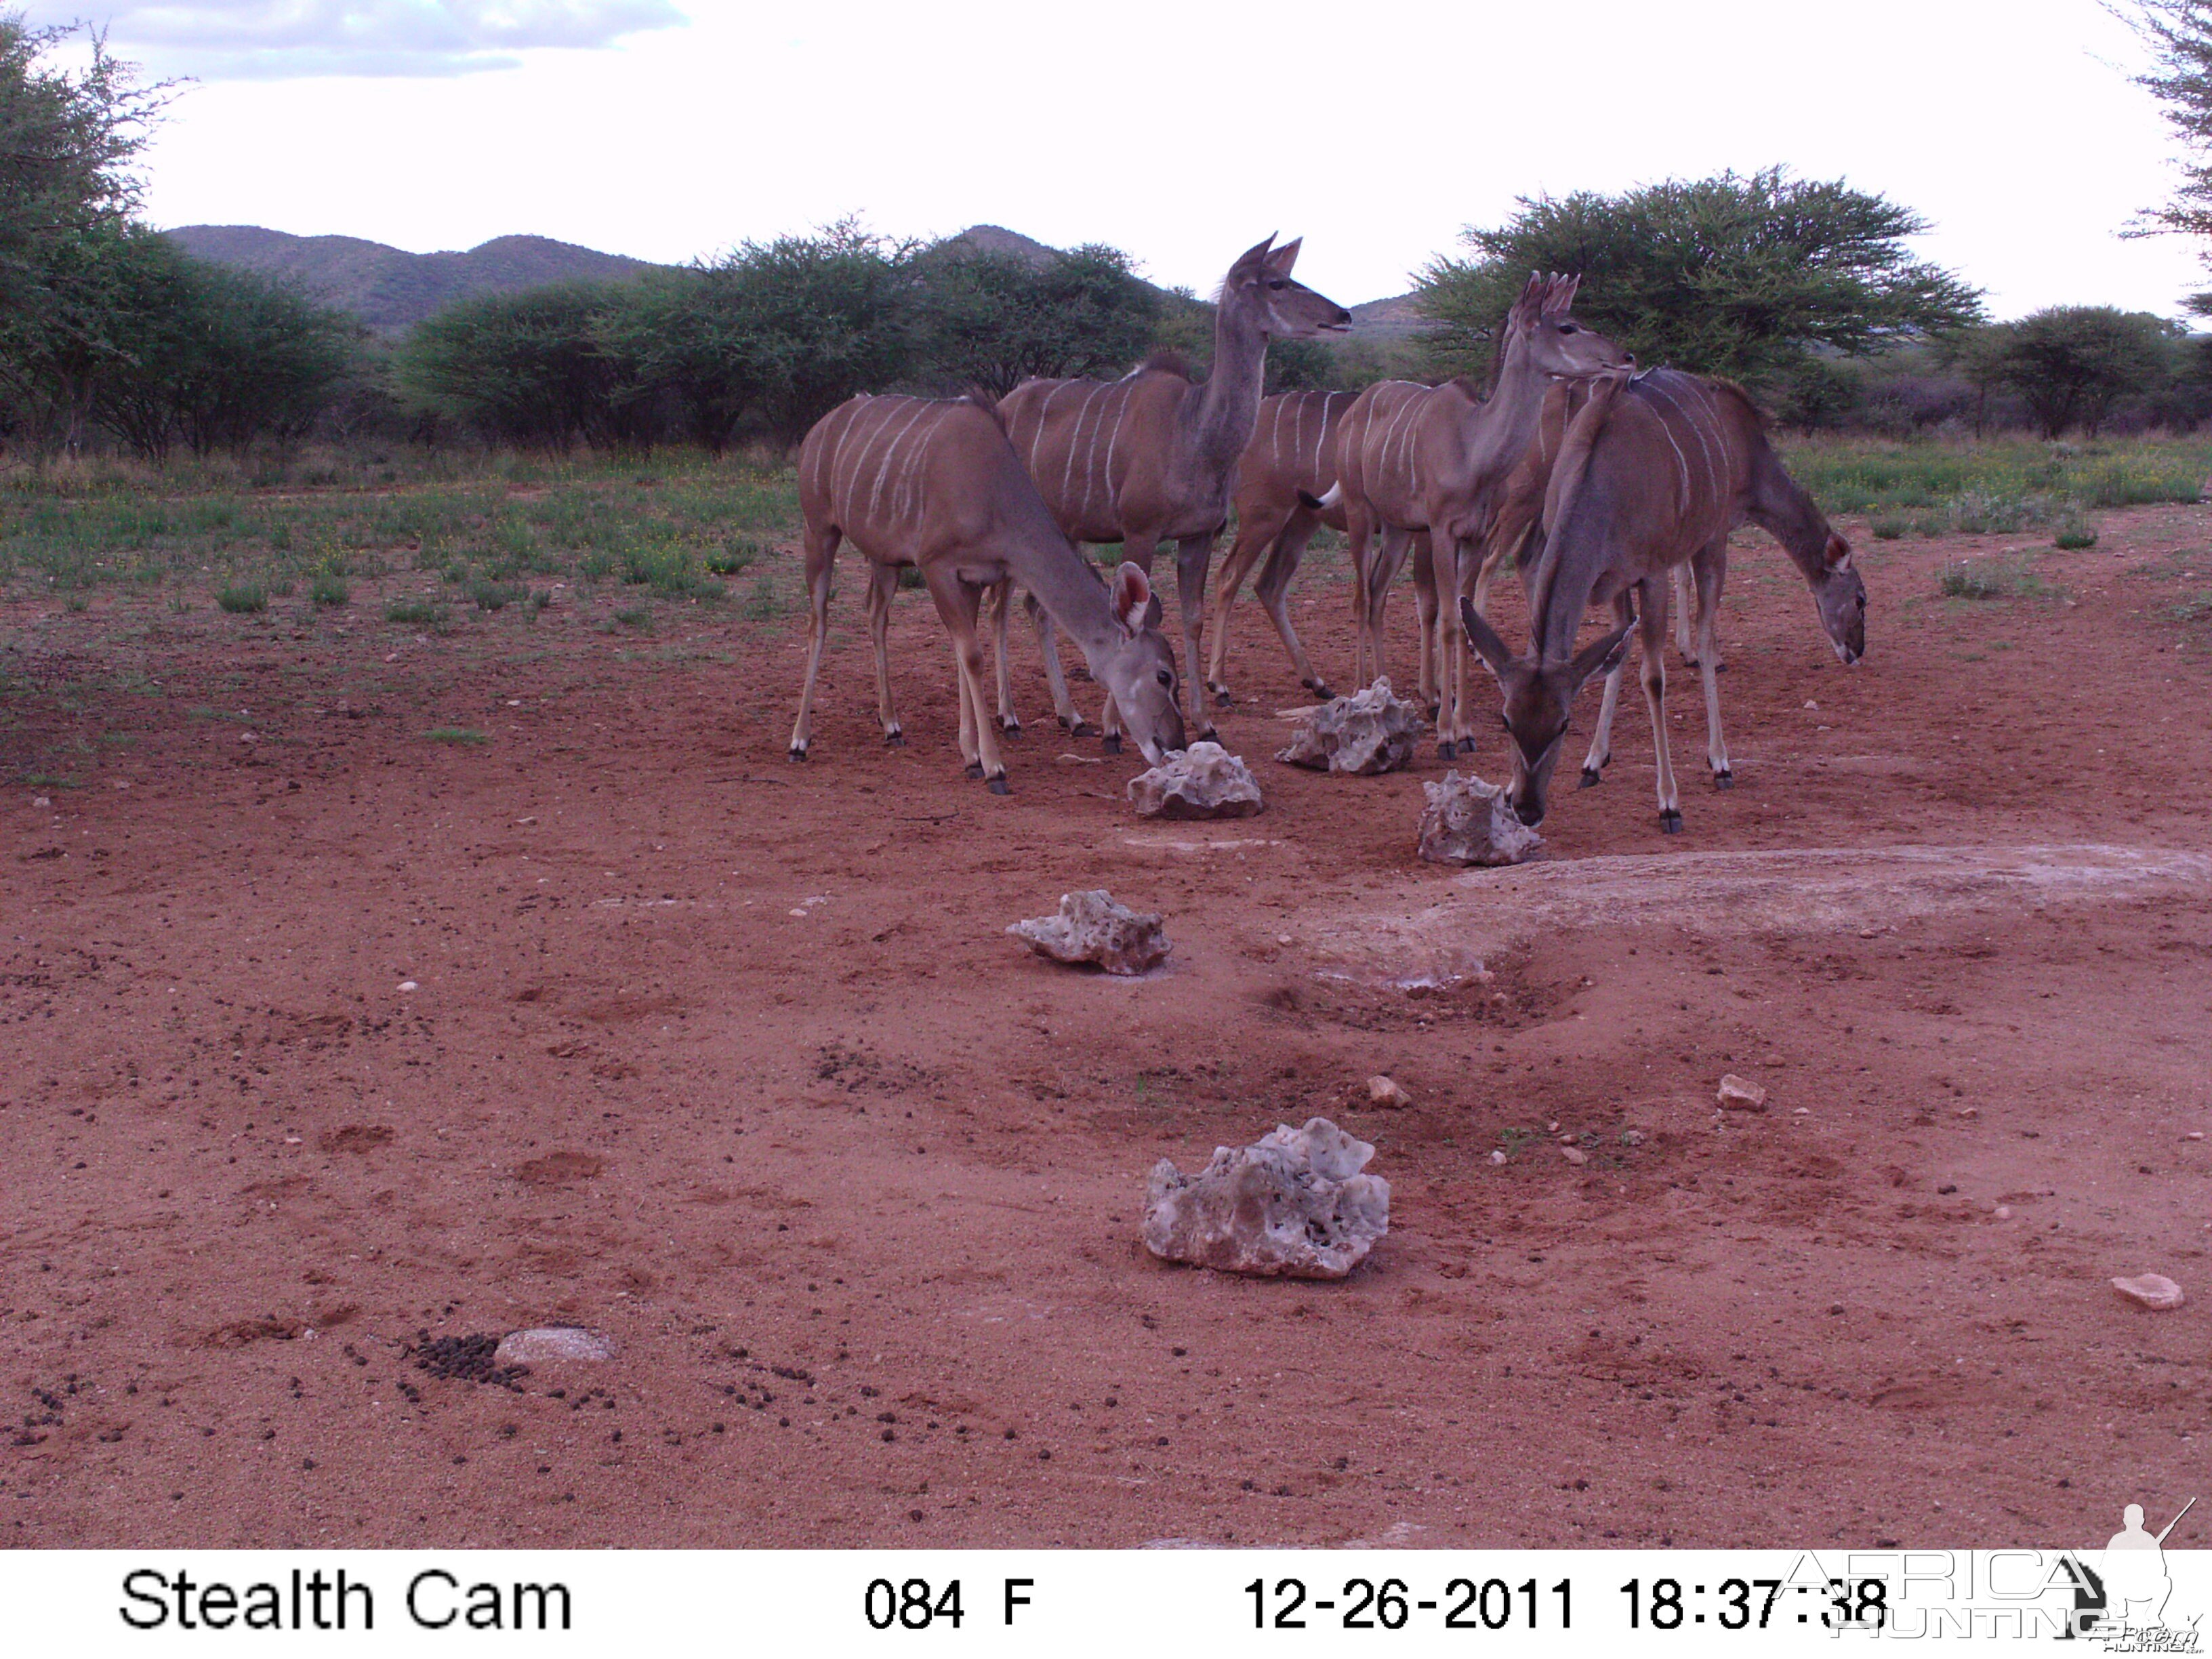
(1165, 679)
(1276, 282)
(1569, 328)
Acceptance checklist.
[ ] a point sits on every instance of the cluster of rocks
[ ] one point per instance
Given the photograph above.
(1368, 732)
(1294, 1204)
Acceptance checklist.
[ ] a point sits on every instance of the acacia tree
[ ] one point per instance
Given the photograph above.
(994, 319)
(526, 368)
(2072, 363)
(1748, 276)
(2179, 35)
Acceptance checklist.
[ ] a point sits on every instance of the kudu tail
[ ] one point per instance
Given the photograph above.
(1322, 503)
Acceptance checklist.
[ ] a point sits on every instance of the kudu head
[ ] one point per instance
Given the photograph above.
(1839, 595)
(1538, 695)
(1541, 332)
(1137, 666)
(1260, 286)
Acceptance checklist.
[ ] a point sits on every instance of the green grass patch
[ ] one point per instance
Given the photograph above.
(245, 599)
(466, 735)
(1993, 579)
(414, 613)
(329, 590)
(636, 617)
(495, 596)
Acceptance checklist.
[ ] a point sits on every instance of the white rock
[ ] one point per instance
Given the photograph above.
(1368, 732)
(2152, 1291)
(42, 801)
(1294, 1205)
(1497, 1156)
(1092, 927)
(408, 985)
(1388, 1093)
(1574, 1154)
(547, 1345)
(1740, 1094)
(1467, 821)
(1202, 781)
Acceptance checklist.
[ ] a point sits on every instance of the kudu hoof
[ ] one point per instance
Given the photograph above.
(975, 769)
(1083, 729)
(1211, 734)
(1112, 745)
(1320, 689)
(1724, 779)
(1447, 752)
(894, 740)
(1591, 778)
(1000, 787)
(1010, 727)
(1670, 824)
(1222, 699)
(798, 751)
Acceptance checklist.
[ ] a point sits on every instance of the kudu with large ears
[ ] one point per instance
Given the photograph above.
(1653, 473)
(1149, 457)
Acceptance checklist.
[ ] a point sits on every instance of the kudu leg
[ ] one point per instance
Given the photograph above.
(1256, 534)
(883, 585)
(1601, 748)
(1424, 612)
(821, 564)
(1652, 633)
(1359, 538)
(1686, 643)
(1192, 555)
(1381, 571)
(1709, 568)
(1274, 589)
(959, 605)
(1063, 706)
(1001, 599)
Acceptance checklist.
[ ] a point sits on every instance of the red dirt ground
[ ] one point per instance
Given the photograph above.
(731, 1058)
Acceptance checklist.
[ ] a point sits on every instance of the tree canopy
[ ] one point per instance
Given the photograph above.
(2071, 364)
(2179, 35)
(1749, 275)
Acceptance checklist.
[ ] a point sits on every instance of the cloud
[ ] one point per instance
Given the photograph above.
(280, 39)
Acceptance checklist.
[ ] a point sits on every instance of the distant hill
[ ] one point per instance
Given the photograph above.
(391, 289)
(997, 238)
(1399, 318)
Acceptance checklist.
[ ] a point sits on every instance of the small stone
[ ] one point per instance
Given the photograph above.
(1388, 1093)
(2194, 1134)
(42, 801)
(1965, 1111)
(2002, 1212)
(1092, 927)
(1368, 732)
(1295, 1204)
(2152, 1291)
(1467, 821)
(547, 1345)
(1774, 1060)
(1739, 1094)
(1574, 1154)
(1285, 939)
(1202, 781)
(408, 985)
(1631, 1137)
(1498, 1156)
(1809, 703)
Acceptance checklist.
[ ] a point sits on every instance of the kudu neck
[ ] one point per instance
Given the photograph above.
(1046, 565)
(1228, 403)
(1515, 404)
(1782, 508)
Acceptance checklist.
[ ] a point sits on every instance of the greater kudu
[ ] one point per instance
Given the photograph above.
(1412, 457)
(1149, 457)
(1654, 472)
(933, 483)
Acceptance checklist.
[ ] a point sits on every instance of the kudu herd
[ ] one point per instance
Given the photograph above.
(1605, 487)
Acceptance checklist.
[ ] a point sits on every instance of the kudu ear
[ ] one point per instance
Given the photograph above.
(1838, 553)
(1254, 260)
(1483, 637)
(1559, 294)
(1600, 657)
(1530, 304)
(1133, 602)
(1281, 261)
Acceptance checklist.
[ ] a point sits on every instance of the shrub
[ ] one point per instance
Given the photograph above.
(247, 597)
(456, 734)
(2073, 534)
(494, 596)
(733, 556)
(414, 613)
(1887, 528)
(329, 590)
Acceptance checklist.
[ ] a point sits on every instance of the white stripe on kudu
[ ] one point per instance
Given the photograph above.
(1681, 460)
(890, 452)
(886, 410)
(907, 497)
(1120, 413)
(1068, 468)
(1326, 398)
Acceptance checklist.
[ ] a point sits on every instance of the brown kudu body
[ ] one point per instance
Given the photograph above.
(1439, 458)
(1290, 464)
(1149, 457)
(1653, 473)
(933, 483)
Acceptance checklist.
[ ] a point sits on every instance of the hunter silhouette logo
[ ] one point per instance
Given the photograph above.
(2123, 1602)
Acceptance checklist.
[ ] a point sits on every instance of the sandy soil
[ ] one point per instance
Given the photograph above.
(732, 1060)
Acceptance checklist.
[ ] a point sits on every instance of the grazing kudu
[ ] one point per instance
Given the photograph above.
(933, 483)
(1412, 457)
(1148, 457)
(1290, 463)
(1654, 472)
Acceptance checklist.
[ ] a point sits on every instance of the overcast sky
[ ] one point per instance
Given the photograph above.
(1180, 130)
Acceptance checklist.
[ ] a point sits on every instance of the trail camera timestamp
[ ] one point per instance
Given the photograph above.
(1464, 1603)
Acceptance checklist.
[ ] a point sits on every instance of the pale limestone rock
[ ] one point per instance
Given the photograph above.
(1370, 730)
(1091, 927)
(1203, 782)
(1467, 821)
(552, 1344)
(1388, 1093)
(1294, 1205)
(2152, 1291)
(1740, 1094)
